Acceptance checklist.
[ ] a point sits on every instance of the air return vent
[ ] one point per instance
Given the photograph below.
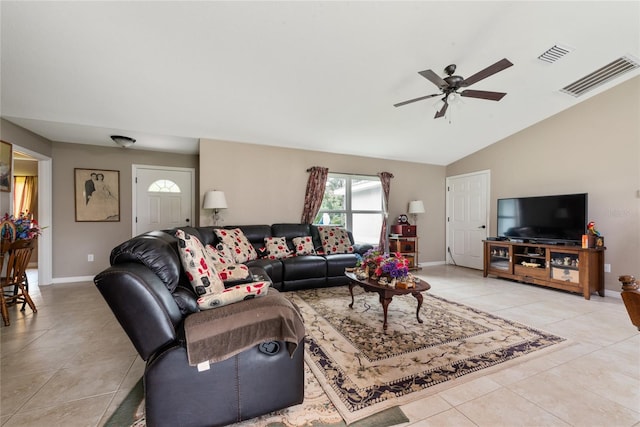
(554, 53)
(601, 76)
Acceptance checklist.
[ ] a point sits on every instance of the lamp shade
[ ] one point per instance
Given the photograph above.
(416, 207)
(214, 200)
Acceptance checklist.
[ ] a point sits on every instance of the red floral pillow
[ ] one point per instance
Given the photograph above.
(234, 294)
(335, 240)
(237, 243)
(276, 247)
(304, 245)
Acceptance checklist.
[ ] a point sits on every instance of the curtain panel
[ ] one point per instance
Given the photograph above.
(314, 194)
(385, 180)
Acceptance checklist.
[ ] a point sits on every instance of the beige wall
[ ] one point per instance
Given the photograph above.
(594, 148)
(72, 241)
(266, 185)
(21, 137)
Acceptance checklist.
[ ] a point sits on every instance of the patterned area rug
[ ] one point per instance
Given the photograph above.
(364, 370)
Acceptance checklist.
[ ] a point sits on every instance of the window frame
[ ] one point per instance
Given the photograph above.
(348, 212)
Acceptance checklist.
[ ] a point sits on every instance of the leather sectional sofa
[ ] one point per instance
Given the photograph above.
(295, 272)
(148, 291)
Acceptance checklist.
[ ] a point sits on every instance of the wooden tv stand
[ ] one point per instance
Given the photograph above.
(570, 268)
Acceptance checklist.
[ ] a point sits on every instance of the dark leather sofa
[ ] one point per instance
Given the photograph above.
(149, 294)
(297, 272)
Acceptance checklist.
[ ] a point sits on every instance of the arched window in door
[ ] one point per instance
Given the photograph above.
(164, 186)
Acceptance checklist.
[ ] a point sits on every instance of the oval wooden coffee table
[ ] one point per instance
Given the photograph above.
(387, 293)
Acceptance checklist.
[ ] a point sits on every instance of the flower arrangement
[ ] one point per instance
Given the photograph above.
(383, 264)
(26, 226)
(397, 267)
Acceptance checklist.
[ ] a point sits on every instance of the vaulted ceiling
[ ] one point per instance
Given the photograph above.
(310, 75)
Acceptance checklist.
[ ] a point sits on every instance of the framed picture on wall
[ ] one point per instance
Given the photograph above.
(97, 195)
(6, 152)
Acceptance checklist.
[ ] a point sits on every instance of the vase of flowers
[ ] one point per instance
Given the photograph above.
(392, 267)
(21, 227)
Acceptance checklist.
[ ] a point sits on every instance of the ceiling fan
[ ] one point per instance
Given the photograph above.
(451, 84)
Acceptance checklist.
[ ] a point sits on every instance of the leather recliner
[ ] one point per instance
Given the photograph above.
(149, 294)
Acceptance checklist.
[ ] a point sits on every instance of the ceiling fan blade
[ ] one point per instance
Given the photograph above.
(434, 78)
(483, 94)
(400, 104)
(489, 71)
(442, 110)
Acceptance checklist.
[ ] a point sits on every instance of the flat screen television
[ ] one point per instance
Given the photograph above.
(544, 219)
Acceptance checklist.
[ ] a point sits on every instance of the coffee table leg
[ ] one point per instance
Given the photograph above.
(385, 305)
(351, 285)
(418, 296)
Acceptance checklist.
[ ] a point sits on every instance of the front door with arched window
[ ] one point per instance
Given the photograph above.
(163, 198)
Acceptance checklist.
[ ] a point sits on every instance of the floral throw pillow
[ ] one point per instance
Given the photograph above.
(276, 247)
(234, 272)
(335, 240)
(197, 265)
(304, 245)
(220, 257)
(238, 243)
(234, 294)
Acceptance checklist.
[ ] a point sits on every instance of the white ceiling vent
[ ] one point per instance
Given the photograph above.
(601, 76)
(554, 53)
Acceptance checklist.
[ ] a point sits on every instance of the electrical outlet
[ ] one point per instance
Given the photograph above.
(607, 268)
(90, 258)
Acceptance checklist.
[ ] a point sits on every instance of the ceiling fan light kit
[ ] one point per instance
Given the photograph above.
(451, 84)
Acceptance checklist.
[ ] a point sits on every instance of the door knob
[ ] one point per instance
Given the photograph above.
(483, 226)
(187, 220)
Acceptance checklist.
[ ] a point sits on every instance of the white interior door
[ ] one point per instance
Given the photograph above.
(467, 218)
(163, 198)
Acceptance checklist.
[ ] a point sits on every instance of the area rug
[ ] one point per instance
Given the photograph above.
(365, 370)
(316, 410)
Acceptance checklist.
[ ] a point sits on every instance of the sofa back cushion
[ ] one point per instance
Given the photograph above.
(157, 251)
(289, 231)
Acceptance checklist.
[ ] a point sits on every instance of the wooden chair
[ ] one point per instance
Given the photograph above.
(14, 259)
(631, 297)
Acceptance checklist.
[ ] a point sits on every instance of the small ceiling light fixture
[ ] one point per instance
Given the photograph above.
(123, 141)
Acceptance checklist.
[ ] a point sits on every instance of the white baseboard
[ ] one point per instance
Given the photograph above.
(429, 264)
(612, 294)
(72, 279)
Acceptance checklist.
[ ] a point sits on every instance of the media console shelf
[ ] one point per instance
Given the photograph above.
(570, 268)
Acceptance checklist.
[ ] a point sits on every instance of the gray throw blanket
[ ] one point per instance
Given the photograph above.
(223, 332)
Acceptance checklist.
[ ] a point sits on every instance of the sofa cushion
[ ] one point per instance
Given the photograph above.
(197, 265)
(335, 240)
(304, 267)
(337, 263)
(304, 246)
(237, 243)
(233, 294)
(276, 247)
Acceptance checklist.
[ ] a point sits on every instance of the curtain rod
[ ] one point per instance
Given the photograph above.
(347, 173)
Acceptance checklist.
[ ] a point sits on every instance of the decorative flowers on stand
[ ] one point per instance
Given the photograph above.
(26, 227)
(388, 269)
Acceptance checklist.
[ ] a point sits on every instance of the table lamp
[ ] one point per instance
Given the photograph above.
(214, 200)
(416, 207)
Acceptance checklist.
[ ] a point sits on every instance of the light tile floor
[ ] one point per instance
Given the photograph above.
(71, 365)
